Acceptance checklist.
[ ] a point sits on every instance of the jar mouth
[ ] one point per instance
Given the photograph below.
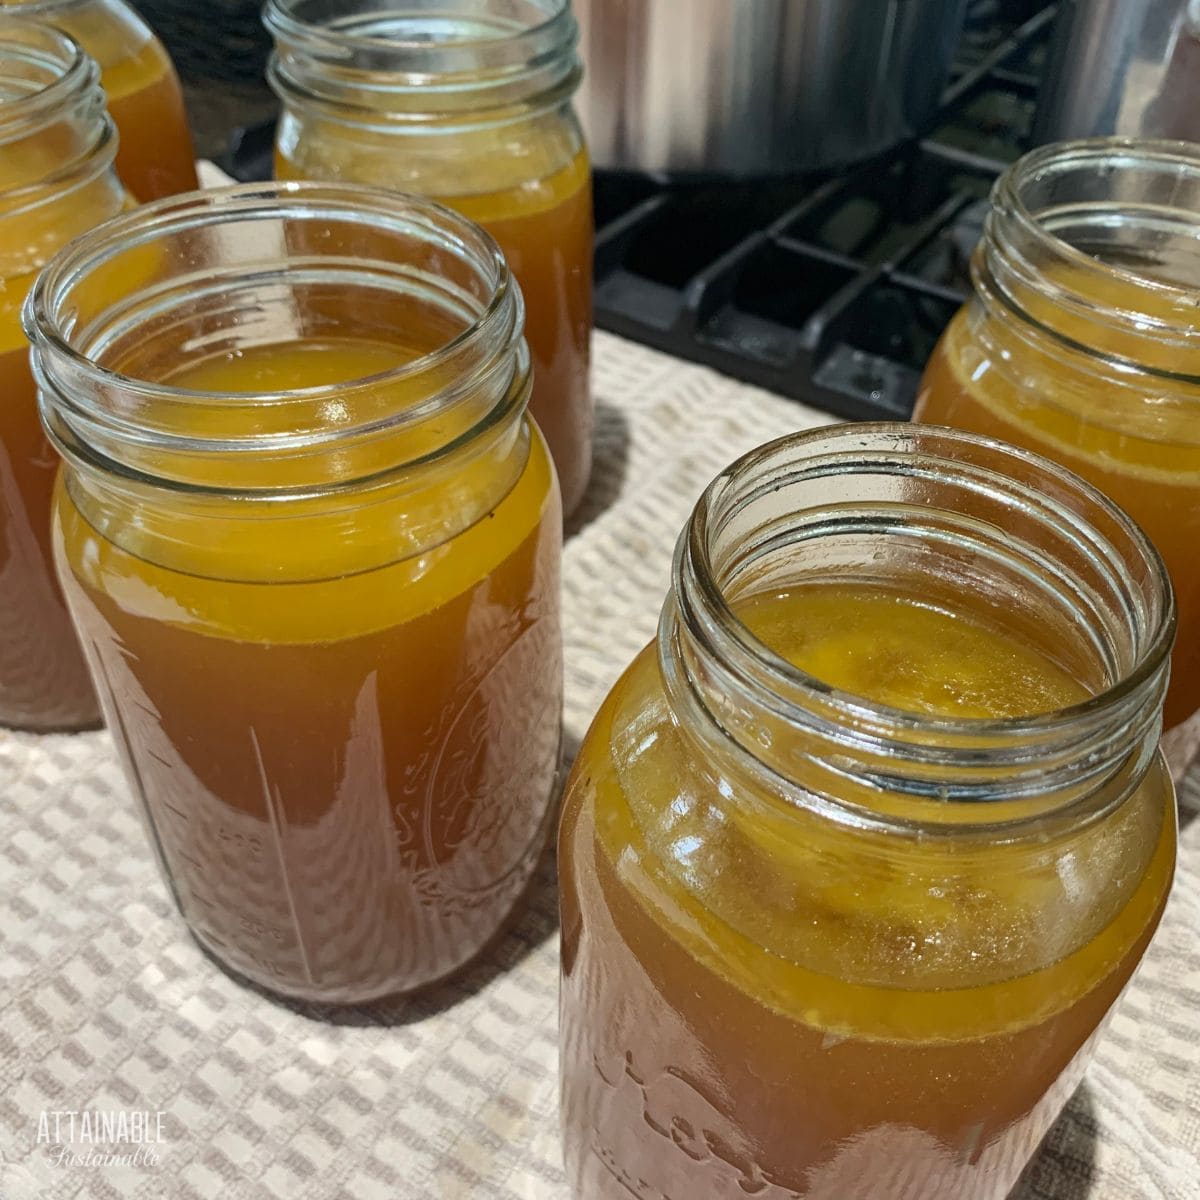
(835, 448)
(422, 59)
(400, 25)
(217, 242)
(1102, 227)
(961, 513)
(50, 98)
(426, 38)
(42, 73)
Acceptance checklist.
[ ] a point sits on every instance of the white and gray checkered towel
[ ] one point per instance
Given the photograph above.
(106, 1003)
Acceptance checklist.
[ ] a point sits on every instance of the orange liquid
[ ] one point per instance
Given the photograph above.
(550, 253)
(155, 156)
(43, 679)
(758, 1005)
(44, 682)
(545, 229)
(1149, 465)
(346, 772)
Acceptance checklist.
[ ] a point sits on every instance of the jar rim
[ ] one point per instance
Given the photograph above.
(173, 213)
(1019, 249)
(514, 43)
(695, 545)
(1086, 151)
(75, 71)
(500, 69)
(111, 421)
(977, 516)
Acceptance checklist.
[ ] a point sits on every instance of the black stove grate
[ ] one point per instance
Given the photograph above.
(832, 291)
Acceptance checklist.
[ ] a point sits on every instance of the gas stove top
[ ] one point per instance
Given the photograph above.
(830, 290)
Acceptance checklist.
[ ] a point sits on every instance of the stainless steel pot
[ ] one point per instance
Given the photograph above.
(1122, 66)
(759, 86)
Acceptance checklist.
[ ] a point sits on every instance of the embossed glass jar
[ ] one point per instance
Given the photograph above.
(818, 945)
(314, 567)
(1081, 342)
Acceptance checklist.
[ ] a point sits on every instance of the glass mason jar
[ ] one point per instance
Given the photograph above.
(1081, 342)
(155, 156)
(311, 541)
(468, 102)
(858, 855)
(56, 180)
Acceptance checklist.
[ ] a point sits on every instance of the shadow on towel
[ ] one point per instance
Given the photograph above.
(1064, 1168)
(610, 450)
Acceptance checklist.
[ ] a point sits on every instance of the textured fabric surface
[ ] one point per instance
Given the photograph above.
(106, 1003)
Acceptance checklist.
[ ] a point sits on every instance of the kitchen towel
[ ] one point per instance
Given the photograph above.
(106, 1003)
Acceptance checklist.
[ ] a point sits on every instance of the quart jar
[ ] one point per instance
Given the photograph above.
(311, 541)
(858, 855)
(56, 180)
(1082, 341)
(155, 156)
(467, 101)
